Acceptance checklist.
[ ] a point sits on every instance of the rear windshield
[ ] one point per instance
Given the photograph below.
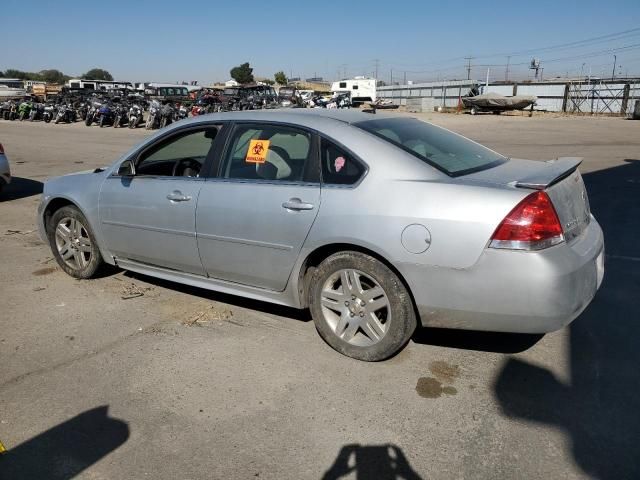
(446, 151)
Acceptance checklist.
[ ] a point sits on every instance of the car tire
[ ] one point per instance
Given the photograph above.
(371, 319)
(73, 243)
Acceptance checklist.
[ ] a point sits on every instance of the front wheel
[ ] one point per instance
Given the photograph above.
(101, 121)
(360, 307)
(73, 243)
(89, 120)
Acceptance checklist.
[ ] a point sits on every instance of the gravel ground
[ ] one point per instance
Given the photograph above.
(127, 376)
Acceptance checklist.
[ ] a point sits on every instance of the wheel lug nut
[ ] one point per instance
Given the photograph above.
(351, 314)
(353, 297)
(346, 304)
(362, 314)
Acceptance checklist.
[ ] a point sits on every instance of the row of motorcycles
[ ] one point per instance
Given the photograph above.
(30, 110)
(117, 112)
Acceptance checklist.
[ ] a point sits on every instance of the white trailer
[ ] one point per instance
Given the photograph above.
(361, 89)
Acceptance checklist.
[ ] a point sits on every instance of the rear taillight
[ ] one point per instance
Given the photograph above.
(532, 225)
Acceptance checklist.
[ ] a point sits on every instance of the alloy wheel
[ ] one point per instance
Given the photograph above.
(73, 243)
(355, 307)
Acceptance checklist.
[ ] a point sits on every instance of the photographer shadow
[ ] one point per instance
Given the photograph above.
(599, 408)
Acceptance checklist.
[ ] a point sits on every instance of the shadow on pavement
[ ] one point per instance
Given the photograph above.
(382, 462)
(64, 451)
(497, 342)
(238, 301)
(20, 188)
(599, 408)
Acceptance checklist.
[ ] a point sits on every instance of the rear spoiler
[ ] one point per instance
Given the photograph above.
(553, 172)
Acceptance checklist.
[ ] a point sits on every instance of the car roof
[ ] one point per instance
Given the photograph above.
(308, 117)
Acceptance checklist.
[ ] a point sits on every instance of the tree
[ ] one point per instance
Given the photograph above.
(53, 76)
(98, 74)
(280, 78)
(242, 73)
(13, 73)
(268, 81)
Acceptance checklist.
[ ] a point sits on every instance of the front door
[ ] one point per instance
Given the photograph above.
(150, 217)
(253, 220)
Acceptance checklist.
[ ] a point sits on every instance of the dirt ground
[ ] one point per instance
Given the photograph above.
(127, 376)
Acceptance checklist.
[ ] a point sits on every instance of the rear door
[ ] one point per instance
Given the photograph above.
(150, 217)
(254, 218)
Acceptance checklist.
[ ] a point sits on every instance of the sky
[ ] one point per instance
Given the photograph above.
(172, 40)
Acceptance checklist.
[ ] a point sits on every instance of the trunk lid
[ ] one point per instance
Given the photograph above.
(559, 178)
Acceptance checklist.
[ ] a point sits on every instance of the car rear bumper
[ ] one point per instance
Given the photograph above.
(512, 291)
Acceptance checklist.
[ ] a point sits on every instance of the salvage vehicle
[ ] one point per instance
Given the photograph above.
(496, 103)
(377, 224)
(5, 170)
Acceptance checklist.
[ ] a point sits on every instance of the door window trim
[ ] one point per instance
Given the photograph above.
(363, 164)
(310, 177)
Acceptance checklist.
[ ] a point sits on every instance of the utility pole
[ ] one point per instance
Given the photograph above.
(376, 61)
(613, 73)
(391, 80)
(405, 78)
(506, 72)
(468, 59)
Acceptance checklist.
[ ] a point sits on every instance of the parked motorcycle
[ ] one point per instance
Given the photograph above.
(167, 113)
(120, 116)
(105, 115)
(24, 109)
(65, 114)
(182, 112)
(10, 110)
(135, 115)
(37, 111)
(49, 112)
(153, 120)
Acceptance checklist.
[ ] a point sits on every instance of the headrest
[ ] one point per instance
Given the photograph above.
(274, 168)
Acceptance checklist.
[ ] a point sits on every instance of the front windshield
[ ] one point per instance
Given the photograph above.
(445, 150)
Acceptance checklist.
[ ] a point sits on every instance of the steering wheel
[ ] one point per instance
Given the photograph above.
(191, 168)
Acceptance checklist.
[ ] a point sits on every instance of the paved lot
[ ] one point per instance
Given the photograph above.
(185, 383)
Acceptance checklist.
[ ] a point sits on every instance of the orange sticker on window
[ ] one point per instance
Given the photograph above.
(257, 152)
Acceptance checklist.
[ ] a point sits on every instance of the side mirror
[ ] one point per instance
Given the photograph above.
(127, 169)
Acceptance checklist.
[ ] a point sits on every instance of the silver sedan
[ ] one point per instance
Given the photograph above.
(378, 224)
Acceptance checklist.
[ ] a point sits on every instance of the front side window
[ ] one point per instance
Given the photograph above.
(179, 156)
(451, 153)
(267, 152)
(338, 166)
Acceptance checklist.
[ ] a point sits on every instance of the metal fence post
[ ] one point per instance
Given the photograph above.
(625, 99)
(565, 98)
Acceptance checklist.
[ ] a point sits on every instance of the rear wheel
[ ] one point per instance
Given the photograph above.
(101, 121)
(360, 307)
(73, 243)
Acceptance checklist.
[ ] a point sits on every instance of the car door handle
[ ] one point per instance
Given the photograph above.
(297, 204)
(178, 196)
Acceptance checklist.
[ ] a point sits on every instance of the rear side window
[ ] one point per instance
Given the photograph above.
(269, 152)
(446, 151)
(338, 166)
